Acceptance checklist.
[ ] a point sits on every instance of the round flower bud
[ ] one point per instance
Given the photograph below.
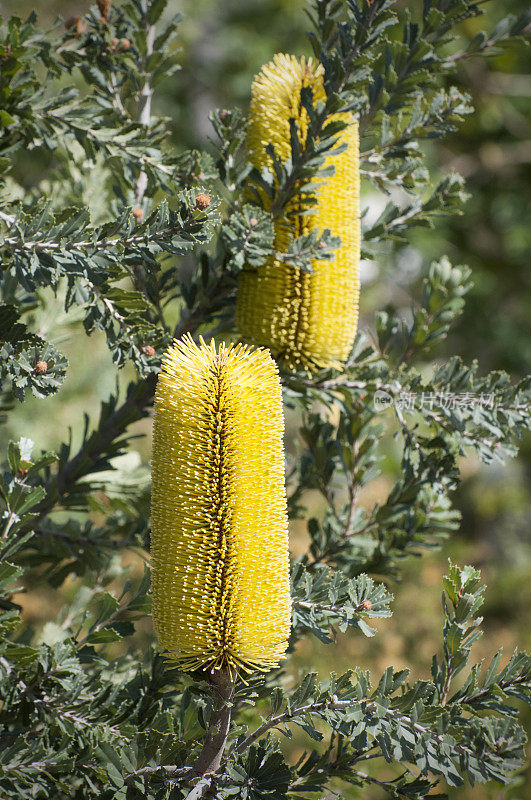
(78, 24)
(202, 201)
(104, 7)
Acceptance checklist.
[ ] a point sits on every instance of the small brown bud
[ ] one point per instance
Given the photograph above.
(79, 25)
(138, 214)
(202, 201)
(104, 7)
(366, 605)
(114, 42)
(41, 367)
(23, 472)
(223, 115)
(125, 44)
(148, 350)
(253, 222)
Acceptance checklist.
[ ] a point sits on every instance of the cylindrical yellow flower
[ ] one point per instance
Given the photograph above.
(219, 546)
(307, 319)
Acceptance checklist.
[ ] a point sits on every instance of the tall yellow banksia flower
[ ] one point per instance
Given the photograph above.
(219, 546)
(307, 319)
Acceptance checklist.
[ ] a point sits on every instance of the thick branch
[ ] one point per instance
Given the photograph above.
(209, 759)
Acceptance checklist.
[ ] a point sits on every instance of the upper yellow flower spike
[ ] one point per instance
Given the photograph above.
(307, 319)
(219, 547)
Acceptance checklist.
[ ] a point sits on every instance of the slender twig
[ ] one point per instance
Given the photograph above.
(329, 497)
(384, 784)
(362, 775)
(115, 91)
(91, 134)
(52, 704)
(338, 767)
(131, 410)
(80, 643)
(110, 306)
(465, 54)
(12, 518)
(191, 320)
(97, 244)
(334, 703)
(9, 218)
(103, 542)
(353, 491)
(503, 685)
(201, 788)
(328, 551)
(340, 610)
(447, 682)
(287, 715)
(144, 102)
(40, 766)
(171, 770)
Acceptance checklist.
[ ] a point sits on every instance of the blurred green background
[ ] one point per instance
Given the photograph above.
(223, 45)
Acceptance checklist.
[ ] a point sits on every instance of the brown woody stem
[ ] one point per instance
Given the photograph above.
(209, 759)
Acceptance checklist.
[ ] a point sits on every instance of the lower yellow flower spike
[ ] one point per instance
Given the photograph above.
(307, 319)
(219, 546)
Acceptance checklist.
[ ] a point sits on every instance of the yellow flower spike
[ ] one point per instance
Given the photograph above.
(307, 319)
(219, 547)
